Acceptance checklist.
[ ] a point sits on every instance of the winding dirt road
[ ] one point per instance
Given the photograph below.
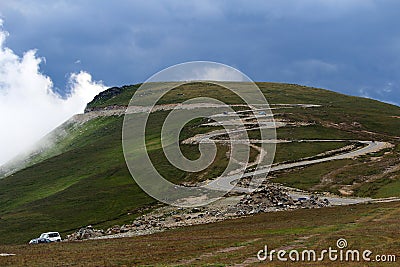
(264, 120)
(227, 183)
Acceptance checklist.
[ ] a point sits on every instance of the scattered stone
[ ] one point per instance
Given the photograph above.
(266, 199)
(85, 233)
(177, 218)
(273, 198)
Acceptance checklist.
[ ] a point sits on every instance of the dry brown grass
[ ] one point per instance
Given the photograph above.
(366, 226)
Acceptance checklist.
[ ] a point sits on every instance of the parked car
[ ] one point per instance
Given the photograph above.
(46, 238)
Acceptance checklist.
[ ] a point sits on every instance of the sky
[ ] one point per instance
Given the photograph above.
(62, 53)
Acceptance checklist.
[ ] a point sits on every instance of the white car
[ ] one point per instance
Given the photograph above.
(47, 238)
(52, 236)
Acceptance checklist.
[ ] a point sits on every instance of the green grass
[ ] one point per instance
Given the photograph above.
(381, 188)
(298, 150)
(196, 89)
(308, 177)
(390, 189)
(313, 132)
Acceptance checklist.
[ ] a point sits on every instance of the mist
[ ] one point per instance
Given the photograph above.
(29, 106)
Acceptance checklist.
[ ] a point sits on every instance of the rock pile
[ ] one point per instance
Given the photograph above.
(262, 200)
(85, 233)
(273, 198)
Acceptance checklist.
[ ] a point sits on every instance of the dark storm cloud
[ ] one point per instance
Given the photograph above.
(351, 46)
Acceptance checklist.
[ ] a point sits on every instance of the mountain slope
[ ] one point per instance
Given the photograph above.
(82, 177)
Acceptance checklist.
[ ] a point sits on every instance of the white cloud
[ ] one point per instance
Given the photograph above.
(310, 69)
(219, 73)
(29, 108)
(380, 93)
(316, 65)
(387, 88)
(200, 71)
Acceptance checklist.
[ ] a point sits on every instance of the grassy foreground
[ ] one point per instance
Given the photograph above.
(365, 226)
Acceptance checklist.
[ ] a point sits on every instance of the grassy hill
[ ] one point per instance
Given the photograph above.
(82, 177)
